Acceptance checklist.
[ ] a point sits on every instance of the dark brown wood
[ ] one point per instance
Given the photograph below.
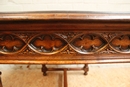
(45, 69)
(86, 69)
(65, 78)
(64, 38)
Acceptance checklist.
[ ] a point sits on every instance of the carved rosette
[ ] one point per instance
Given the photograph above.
(47, 44)
(88, 43)
(10, 43)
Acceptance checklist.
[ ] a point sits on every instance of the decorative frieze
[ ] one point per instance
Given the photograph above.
(64, 42)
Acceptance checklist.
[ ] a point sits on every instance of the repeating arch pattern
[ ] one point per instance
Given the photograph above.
(58, 42)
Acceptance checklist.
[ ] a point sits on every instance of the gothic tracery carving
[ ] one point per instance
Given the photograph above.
(47, 44)
(88, 43)
(121, 43)
(64, 42)
(10, 43)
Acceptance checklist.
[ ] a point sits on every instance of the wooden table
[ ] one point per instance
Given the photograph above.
(64, 38)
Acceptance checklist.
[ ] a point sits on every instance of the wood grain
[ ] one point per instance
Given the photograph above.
(64, 38)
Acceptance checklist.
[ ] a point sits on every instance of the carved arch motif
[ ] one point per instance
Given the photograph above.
(121, 43)
(10, 43)
(47, 44)
(88, 43)
(64, 42)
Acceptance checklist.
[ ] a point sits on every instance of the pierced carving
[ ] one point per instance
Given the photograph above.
(121, 43)
(108, 35)
(68, 50)
(26, 36)
(67, 35)
(10, 43)
(47, 44)
(88, 43)
(27, 51)
(107, 50)
(64, 42)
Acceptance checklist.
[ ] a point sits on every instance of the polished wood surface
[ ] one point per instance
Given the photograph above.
(65, 78)
(64, 38)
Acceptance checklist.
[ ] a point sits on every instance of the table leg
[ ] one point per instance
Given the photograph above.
(44, 69)
(0, 80)
(86, 69)
(65, 78)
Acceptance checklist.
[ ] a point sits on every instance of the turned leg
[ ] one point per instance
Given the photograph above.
(0, 80)
(86, 69)
(44, 69)
(65, 78)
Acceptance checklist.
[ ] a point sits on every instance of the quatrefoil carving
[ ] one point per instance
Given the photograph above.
(10, 43)
(47, 44)
(88, 43)
(52, 43)
(121, 43)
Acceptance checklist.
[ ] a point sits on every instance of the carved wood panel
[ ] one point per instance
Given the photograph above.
(121, 43)
(47, 44)
(10, 43)
(88, 43)
(64, 42)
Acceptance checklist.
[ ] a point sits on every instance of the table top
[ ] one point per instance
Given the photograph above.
(64, 37)
(69, 15)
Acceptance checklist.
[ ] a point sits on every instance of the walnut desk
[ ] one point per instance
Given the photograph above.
(64, 38)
